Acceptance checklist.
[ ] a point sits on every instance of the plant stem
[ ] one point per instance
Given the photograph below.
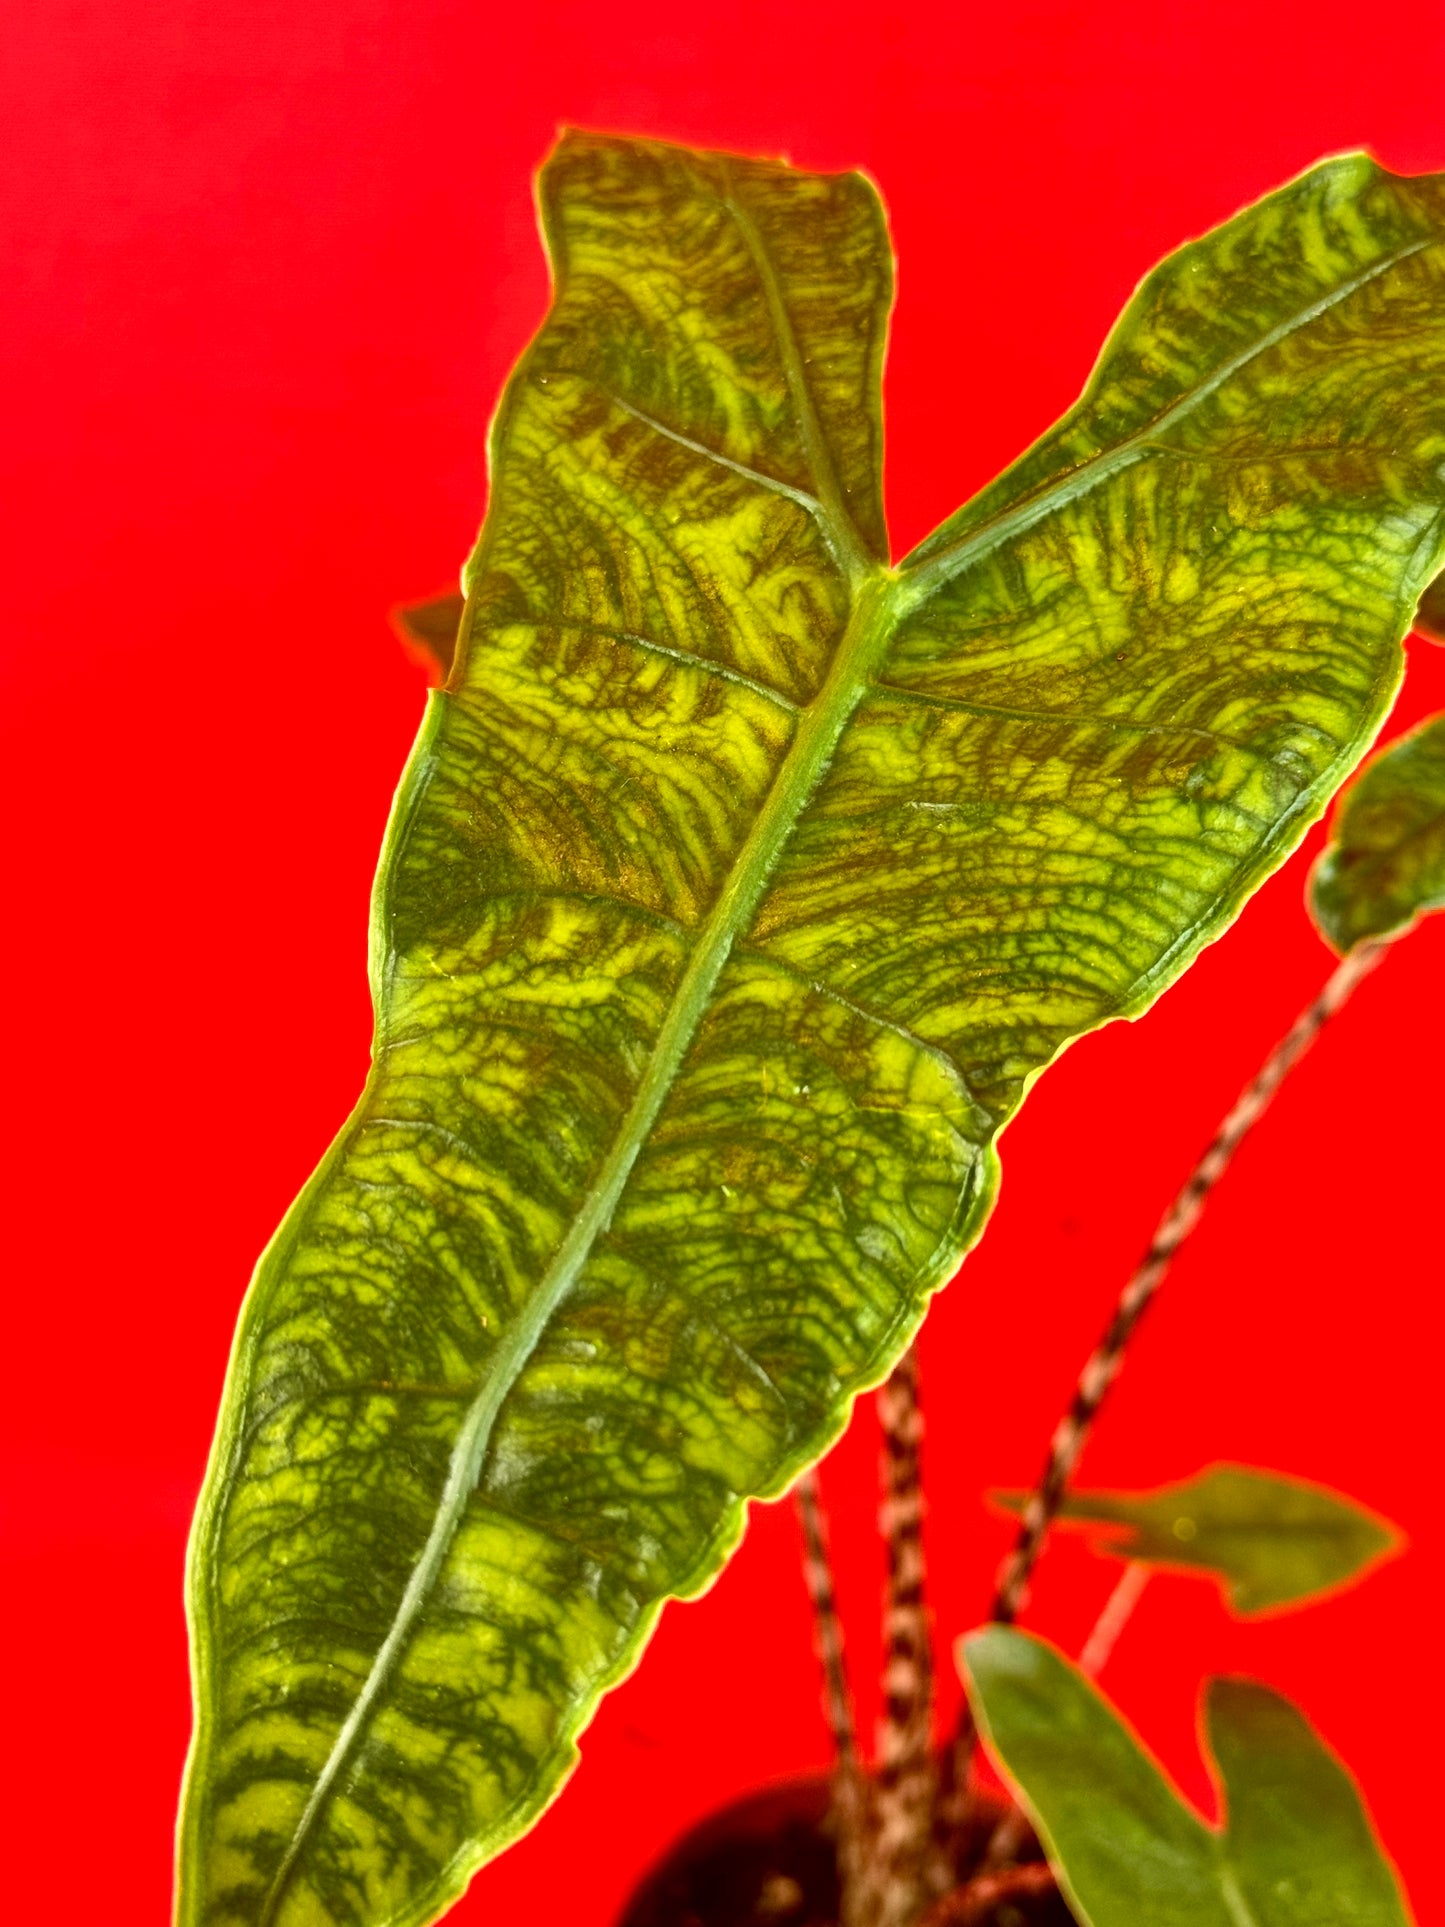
(1118, 1611)
(1174, 1228)
(850, 1812)
(828, 1627)
(971, 1905)
(1108, 1356)
(899, 1870)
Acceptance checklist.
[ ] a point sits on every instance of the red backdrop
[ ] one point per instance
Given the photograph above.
(273, 263)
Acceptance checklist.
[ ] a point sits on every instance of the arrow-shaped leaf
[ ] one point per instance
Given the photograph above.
(1384, 866)
(1296, 1848)
(736, 889)
(1273, 1541)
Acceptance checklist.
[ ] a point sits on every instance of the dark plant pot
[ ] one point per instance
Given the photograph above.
(768, 1861)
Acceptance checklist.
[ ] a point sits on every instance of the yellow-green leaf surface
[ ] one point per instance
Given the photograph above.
(737, 887)
(1273, 1541)
(1296, 1848)
(1384, 866)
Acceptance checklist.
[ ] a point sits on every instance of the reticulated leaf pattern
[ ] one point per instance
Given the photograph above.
(737, 887)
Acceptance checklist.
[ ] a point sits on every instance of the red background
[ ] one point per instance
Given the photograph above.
(273, 263)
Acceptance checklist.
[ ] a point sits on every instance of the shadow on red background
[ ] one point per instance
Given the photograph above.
(272, 265)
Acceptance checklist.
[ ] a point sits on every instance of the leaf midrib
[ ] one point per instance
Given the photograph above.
(866, 635)
(870, 624)
(1240, 1911)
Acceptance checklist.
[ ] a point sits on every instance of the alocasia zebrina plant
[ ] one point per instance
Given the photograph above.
(739, 884)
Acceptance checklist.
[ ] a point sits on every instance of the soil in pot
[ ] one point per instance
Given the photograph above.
(768, 1861)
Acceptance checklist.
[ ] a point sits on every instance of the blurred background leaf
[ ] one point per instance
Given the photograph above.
(1296, 1848)
(1273, 1541)
(1384, 866)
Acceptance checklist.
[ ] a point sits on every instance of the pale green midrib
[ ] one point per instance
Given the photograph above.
(1016, 713)
(689, 658)
(928, 573)
(832, 522)
(1241, 1913)
(869, 629)
(763, 480)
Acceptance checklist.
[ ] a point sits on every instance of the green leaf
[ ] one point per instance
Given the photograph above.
(1273, 1541)
(1384, 866)
(1296, 1849)
(737, 888)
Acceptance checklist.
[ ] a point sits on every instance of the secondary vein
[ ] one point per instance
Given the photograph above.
(928, 573)
(848, 544)
(755, 475)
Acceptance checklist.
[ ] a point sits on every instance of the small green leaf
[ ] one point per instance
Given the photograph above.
(1296, 1849)
(1273, 1541)
(738, 887)
(429, 630)
(1384, 866)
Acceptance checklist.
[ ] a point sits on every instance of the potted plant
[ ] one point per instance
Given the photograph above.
(1096, 1833)
(739, 886)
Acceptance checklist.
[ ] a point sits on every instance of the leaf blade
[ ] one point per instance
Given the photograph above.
(706, 969)
(1123, 1844)
(1217, 304)
(1296, 1850)
(621, 954)
(1300, 1842)
(1302, 424)
(1384, 867)
(1271, 1541)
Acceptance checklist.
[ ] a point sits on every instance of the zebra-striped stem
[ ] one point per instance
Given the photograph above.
(1174, 1228)
(850, 1793)
(900, 1875)
(1108, 1356)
